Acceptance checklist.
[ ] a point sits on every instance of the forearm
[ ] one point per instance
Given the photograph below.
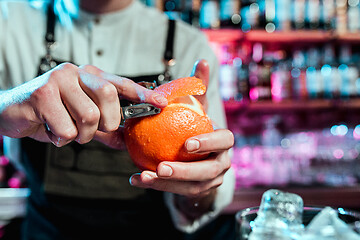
(15, 114)
(5, 102)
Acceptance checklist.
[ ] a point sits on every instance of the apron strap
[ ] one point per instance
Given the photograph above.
(50, 25)
(169, 59)
(48, 62)
(168, 55)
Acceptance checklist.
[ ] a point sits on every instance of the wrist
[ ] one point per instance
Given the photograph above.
(194, 207)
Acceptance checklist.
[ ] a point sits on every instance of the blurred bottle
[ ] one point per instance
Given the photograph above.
(353, 16)
(298, 75)
(353, 78)
(283, 14)
(259, 75)
(348, 72)
(270, 17)
(341, 16)
(209, 14)
(298, 14)
(195, 13)
(228, 75)
(271, 136)
(242, 70)
(312, 18)
(328, 70)
(250, 15)
(173, 8)
(230, 13)
(314, 80)
(280, 81)
(328, 14)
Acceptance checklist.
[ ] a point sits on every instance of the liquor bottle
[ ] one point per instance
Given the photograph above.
(348, 72)
(209, 14)
(280, 81)
(250, 15)
(230, 14)
(242, 79)
(328, 70)
(253, 81)
(173, 8)
(270, 17)
(260, 75)
(195, 13)
(298, 75)
(283, 14)
(328, 14)
(299, 14)
(228, 75)
(312, 14)
(341, 16)
(314, 80)
(353, 16)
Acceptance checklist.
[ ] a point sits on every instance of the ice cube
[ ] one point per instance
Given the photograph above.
(279, 216)
(327, 225)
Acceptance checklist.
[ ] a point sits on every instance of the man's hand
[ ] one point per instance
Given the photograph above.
(195, 183)
(192, 179)
(70, 103)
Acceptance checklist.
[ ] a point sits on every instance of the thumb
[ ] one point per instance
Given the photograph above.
(201, 70)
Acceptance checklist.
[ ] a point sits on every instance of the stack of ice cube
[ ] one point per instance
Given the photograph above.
(280, 218)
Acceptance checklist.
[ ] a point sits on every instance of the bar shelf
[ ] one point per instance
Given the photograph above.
(289, 37)
(292, 105)
(280, 37)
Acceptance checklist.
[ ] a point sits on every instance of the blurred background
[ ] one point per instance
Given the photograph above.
(290, 83)
(289, 79)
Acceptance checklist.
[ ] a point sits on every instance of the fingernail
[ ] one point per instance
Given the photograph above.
(165, 171)
(160, 99)
(147, 178)
(192, 145)
(132, 179)
(57, 142)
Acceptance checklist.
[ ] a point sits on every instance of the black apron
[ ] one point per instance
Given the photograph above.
(82, 191)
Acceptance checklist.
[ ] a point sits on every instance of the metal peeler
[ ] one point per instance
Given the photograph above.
(139, 110)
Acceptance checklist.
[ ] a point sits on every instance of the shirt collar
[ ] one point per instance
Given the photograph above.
(108, 18)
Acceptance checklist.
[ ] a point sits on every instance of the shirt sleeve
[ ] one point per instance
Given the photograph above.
(224, 196)
(215, 105)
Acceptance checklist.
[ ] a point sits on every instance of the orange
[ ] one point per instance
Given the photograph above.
(151, 140)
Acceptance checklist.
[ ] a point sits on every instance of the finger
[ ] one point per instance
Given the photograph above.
(217, 141)
(105, 96)
(113, 139)
(148, 179)
(60, 127)
(92, 69)
(129, 90)
(201, 70)
(203, 170)
(82, 109)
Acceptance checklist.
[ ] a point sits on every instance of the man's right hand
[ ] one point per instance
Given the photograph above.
(69, 103)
